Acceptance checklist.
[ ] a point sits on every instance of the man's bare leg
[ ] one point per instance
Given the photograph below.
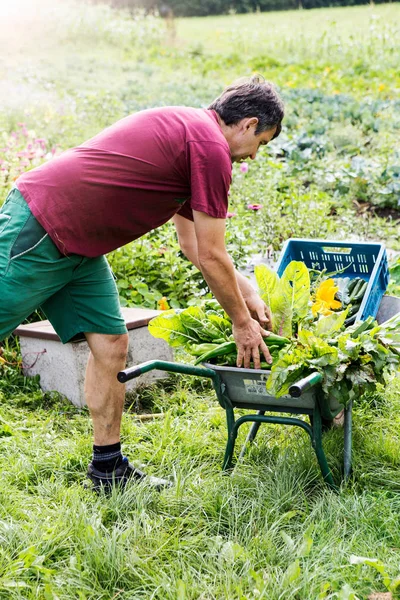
(105, 399)
(104, 393)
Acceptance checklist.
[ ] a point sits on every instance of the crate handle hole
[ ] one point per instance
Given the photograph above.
(335, 250)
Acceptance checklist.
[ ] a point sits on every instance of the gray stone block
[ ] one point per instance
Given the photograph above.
(62, 367)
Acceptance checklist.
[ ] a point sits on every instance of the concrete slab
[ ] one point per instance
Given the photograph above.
(62, 366)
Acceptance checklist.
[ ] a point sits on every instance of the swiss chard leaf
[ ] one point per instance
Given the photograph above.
(278, 300)
(349, 347)
(295, 283)
(285, 372)
(321, 353)
(170, 328)
(325, 326)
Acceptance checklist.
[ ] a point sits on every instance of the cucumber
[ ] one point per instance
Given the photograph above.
(351, 285)
(216, 350)
(264, 365)
(353, 310)
(199, 349)
(350, 320)
(276, 340)
(360, 294)
(221, 350)
(356, 289)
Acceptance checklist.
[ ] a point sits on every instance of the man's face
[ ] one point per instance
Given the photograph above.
(244, 142)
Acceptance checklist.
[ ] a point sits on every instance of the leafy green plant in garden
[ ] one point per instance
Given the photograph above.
(152, 268)
(394, 281)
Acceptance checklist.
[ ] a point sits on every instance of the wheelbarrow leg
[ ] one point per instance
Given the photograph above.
(317, 445)
(251, 435)
(232, 435)
(348, 424)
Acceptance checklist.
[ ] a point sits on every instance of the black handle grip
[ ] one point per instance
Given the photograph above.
(127, 374)
(301, 386)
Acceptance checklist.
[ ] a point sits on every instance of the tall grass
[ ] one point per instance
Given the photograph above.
(271, 530)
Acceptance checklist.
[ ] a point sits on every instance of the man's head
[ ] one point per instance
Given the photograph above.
(250, 112)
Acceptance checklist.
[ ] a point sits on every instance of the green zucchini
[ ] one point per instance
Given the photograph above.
(351, 285)
(361, 292)
(353, 310)
(350, 320)
(199, 349)
(221, 350)
(264, 365)
(278, 340)
(213, 350)
(356, 289)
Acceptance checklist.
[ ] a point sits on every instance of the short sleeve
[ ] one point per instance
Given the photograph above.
(210, 178)
(186, 210)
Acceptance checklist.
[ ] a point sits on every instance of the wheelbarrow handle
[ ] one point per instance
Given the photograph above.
(301, 386)
(163, 365)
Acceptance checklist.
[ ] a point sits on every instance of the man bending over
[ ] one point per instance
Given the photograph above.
(61, 218)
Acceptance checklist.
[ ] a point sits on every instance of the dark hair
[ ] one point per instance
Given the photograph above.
(251, 97)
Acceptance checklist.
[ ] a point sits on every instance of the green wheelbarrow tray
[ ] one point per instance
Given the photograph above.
(246, 389)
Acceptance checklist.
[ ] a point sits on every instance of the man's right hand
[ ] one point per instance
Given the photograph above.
(249, 341)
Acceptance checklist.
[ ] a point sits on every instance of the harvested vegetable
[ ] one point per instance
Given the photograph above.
(312, 330)
(351, 293)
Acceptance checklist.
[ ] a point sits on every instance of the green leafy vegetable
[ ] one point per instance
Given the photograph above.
(296, 286)
(351, 359)
(288, 297)
(273, 295)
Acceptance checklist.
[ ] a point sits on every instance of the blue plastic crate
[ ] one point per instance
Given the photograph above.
(366, 260)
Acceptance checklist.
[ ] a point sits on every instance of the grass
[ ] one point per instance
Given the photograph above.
(272, 530)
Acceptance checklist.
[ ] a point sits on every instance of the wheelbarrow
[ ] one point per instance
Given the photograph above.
(238, 388)
(245, 388)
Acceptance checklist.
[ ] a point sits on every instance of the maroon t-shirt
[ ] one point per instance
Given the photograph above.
(130, 178)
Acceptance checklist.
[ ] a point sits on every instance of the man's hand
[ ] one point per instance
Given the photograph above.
(249, 342)
(259, 310)
(257, 307)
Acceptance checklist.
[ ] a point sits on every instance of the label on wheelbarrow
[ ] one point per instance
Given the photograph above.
(254, 386)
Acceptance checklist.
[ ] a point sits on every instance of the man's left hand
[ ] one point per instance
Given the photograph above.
(259, 311)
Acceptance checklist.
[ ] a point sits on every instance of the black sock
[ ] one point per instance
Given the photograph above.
(107, 458)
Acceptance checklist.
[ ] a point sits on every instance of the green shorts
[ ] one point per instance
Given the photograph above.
(77, 294)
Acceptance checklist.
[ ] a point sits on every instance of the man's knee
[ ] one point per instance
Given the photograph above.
(119, 345)
(108, 348)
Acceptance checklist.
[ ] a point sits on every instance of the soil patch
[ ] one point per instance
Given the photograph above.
(385, 212)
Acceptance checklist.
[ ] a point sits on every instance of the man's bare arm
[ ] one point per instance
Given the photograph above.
(188, 243)
(206, 249)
